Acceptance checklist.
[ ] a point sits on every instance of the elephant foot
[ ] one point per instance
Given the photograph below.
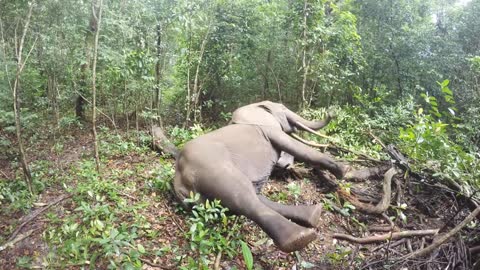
(315, 216)
(342, 171)
(297, 241)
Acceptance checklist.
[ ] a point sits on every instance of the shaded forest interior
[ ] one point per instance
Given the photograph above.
(82, 83)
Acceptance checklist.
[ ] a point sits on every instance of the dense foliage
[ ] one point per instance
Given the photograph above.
(405, 71)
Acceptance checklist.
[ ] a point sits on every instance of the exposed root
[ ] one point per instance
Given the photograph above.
(383, 237)
(384, 203)
(442, 239)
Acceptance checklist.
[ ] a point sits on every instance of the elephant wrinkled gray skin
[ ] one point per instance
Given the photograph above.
(227, 163)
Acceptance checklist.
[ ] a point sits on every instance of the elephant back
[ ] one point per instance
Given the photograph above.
(264, 113)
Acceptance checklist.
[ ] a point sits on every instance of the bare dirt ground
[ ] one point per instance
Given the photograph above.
(427, 207)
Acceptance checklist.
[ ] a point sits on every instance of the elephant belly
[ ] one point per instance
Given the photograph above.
(244, 147)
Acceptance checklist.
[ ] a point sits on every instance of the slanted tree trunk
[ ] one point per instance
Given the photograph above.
(16, 103)
(97, 15)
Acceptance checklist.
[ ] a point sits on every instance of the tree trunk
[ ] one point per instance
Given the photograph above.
(97, 15)
(158, 76)
(304, 60)
(85, 67)
(266, 85)
(196, 88)
(16, 102)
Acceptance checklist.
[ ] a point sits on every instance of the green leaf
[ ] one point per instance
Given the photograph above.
(140, 248)
(447, 91)
(445, 83)
(247, 255)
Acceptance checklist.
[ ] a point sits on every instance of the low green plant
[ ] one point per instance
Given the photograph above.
(95, 232)
(211, 231)
(294, 189)
(112, 144)
(247, 255)
(14, 195)
(24, 262)
(162, 176)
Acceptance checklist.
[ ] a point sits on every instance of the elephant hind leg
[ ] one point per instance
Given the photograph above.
(237, 194)
(305, 215)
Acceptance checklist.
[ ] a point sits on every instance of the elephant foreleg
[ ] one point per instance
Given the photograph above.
(306, 215)
(301, 152)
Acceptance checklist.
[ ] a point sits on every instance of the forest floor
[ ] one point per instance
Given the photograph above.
(161, 227)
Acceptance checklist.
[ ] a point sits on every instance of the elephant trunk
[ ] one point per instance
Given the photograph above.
(302, 123)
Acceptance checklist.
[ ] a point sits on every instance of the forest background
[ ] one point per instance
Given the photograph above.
(408, 71)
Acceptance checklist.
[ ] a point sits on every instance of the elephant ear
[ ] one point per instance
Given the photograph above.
(279, 113)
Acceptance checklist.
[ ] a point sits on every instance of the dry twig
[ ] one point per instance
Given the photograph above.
(383, 237)
(36, 214)
(11, 243)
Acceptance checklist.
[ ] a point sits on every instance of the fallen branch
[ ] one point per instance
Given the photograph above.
(16, 240)
(384, 203)
(442, 239)
(387, 228)
(36, 214)
(160, 266)
(218, 258)
(162, 143)
(5, 175)
(383, 237)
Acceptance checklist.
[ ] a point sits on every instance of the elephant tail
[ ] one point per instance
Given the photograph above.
(162, 144)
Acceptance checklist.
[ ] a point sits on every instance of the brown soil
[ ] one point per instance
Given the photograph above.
(427, 208)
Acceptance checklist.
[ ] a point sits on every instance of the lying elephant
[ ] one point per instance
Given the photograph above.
(227, 163)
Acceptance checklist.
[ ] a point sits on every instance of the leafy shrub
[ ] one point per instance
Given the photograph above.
(211, 231)
(162, 177)
(181, 135)
(427, 141)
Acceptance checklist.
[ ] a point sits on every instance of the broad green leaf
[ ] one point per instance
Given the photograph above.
(140, 248)
(247, 255)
